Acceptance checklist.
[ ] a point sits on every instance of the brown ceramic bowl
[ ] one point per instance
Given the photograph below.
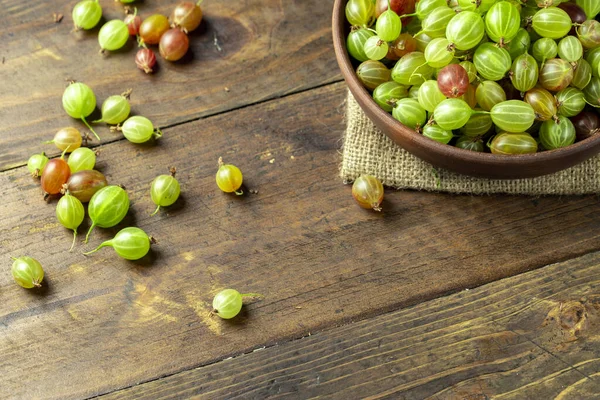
(463, 161)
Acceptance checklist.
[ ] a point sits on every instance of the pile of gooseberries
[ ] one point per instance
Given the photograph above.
(170, 34)
(75, 181)
(505, 76)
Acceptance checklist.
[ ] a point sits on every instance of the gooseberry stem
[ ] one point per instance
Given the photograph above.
(90, 128)
(239, 192)
(90, 231)
(103, 244)
(74, 237)
(158, 134)
(155, 211)
(199, 2)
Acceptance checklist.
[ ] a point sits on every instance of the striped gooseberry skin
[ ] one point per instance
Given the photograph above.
(582, 74)
(368, 192)
(375, 48)
(471, 70)
(552, 22)
(524, 72)
(424, 7)
(544, 49)
(453, 80)
(434, 132)
(452, 114)
(477, 125)
(590, 7)
(435, 23)
(422, 40)
(355, 43)
(491, 62)
(55, 174)
(429, 95)
(519, 44)
(403, 45)
(502, 22)
(556, 74)
(557, 134)
(410, 113)
(591, 93)
(513, 116)
(108, 206)
(478, 6)
(412, 69)
(570, 101)
(388, 26)
(543, 103)
(488, 94)
(570, 49)
(470, 97)
(84, 184)
(589, 33)
(360, 12)
(593, 58)
(506, 143)
(438, 53)
(387, 94)
(372, 74)
(465, 30)
(470, 143)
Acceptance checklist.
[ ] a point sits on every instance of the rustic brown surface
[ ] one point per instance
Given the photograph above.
(301, 241)
(268, 49)
(100, 323)
(534, 336)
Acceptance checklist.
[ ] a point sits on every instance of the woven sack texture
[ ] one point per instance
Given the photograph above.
(366, 150)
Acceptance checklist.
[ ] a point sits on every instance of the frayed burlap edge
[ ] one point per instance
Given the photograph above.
(366, 150)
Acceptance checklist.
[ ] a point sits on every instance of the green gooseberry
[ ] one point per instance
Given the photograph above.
(130, 243)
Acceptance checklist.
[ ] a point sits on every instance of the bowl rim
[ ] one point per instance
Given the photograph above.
(566, 157)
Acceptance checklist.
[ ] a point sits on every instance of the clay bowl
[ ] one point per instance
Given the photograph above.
(485, 165)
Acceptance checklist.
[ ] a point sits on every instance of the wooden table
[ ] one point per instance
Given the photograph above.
(440, 296)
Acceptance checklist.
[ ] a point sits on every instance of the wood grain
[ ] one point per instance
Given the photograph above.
(318, 258)
(243, 53)
(533, 336)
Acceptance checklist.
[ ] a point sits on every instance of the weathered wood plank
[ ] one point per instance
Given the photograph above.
(533, 336)
(301, 241)
(267, 48)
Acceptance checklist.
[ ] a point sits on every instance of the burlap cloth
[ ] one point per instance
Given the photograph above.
(366, 150)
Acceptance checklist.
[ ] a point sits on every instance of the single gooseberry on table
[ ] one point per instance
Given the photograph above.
(27, 272)
(173, 44)
(86, 14)
(115, 109)
(67, 139)
(113, 35)
(228, 303)
(145, 59)
(152, 28)
(187, 15)
(107, 207)
(164, 190)
(367, 190)
(55, 175)
(70, 213)
(84, 184)
(82, 159)
(129, 243)
(229, 178)
(79, 101)
(36, 164)
(138, 129)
